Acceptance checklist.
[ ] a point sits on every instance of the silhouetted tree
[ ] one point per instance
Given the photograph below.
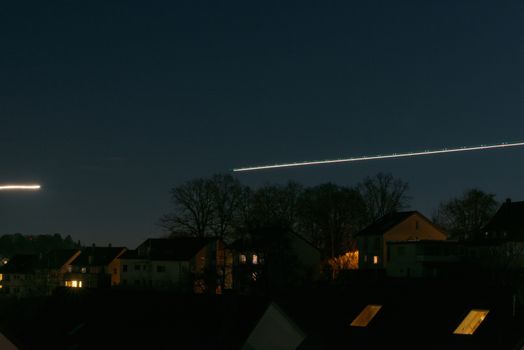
(329, 215)
(275, 205)
(383, 194)
(193, 209)
(464, 217)
(206, 207)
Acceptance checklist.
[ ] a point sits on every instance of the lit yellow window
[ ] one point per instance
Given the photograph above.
(1, 277)
(1, 286)
(74, 284)
(471, 322)
(366, 316)
(255, 259)
(375, 260)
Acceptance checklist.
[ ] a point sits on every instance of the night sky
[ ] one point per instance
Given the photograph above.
(111, 104)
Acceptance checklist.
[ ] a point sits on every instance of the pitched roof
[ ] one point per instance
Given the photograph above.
(385, 223)
(97, 256)
(508, 219)
(178, 249)
(57, 258)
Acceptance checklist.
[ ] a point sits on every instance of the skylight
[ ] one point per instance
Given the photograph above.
(471, 322)
(366, 316)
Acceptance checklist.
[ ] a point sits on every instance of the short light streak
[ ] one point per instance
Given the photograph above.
(387, 156)
(19, 187)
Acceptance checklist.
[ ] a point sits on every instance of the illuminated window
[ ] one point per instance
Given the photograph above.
(84, 270)
(471, 322)
(1, 277)
(255, 259)
(243, 258)
(1, 286)
(366, 316)
(73, 284)
(375, 260)
(69, 268)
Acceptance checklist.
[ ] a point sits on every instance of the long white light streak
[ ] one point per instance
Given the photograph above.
(19, 187)
(387, 156)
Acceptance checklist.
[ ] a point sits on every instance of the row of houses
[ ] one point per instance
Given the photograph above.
(404, 244)
(407, 244)
(187, 265)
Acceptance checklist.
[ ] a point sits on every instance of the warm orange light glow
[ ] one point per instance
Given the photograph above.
(366, 316)
(73, 284)
(348, 261)
(1, 277)
(255, 259)
(375, 260)
(471, 322)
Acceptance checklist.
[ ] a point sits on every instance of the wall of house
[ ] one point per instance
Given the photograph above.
(134, 273)
(414, 228)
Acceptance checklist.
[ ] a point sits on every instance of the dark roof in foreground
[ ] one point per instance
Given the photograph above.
(385, 223)
(413, 316)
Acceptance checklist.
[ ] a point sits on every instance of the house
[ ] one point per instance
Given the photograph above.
(94, 267)
(183, 264)
(423, 258)
(256, 266)
(53, 266)
(36, 274)
(372, 242)
(18, 277)
(501, 243)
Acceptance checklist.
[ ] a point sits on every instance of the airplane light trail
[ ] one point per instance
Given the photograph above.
(19, 187)
(387, 156)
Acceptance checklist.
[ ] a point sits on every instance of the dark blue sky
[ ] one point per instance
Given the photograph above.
(110, 104)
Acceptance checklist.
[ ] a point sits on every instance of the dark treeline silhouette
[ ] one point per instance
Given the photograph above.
(11, 244)
(328, 215)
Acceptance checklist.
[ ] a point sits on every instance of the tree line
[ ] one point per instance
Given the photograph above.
(11, 244)
(328, 215)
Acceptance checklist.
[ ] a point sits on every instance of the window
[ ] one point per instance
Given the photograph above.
(471, 322)
(255, 259)
(84, 270)
(416, 225)
(160, 268)
(73, 284)
(365, 258)
(124, 268)
(1, 277)
(243, 259)
(363, 319)
(69, 268)
(375, 260)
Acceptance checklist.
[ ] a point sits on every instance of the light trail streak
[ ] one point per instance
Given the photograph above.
(387, 156)
(19, 187)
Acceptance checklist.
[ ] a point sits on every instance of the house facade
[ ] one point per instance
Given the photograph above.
(372, 242)
(94, 267)
(183, 264)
